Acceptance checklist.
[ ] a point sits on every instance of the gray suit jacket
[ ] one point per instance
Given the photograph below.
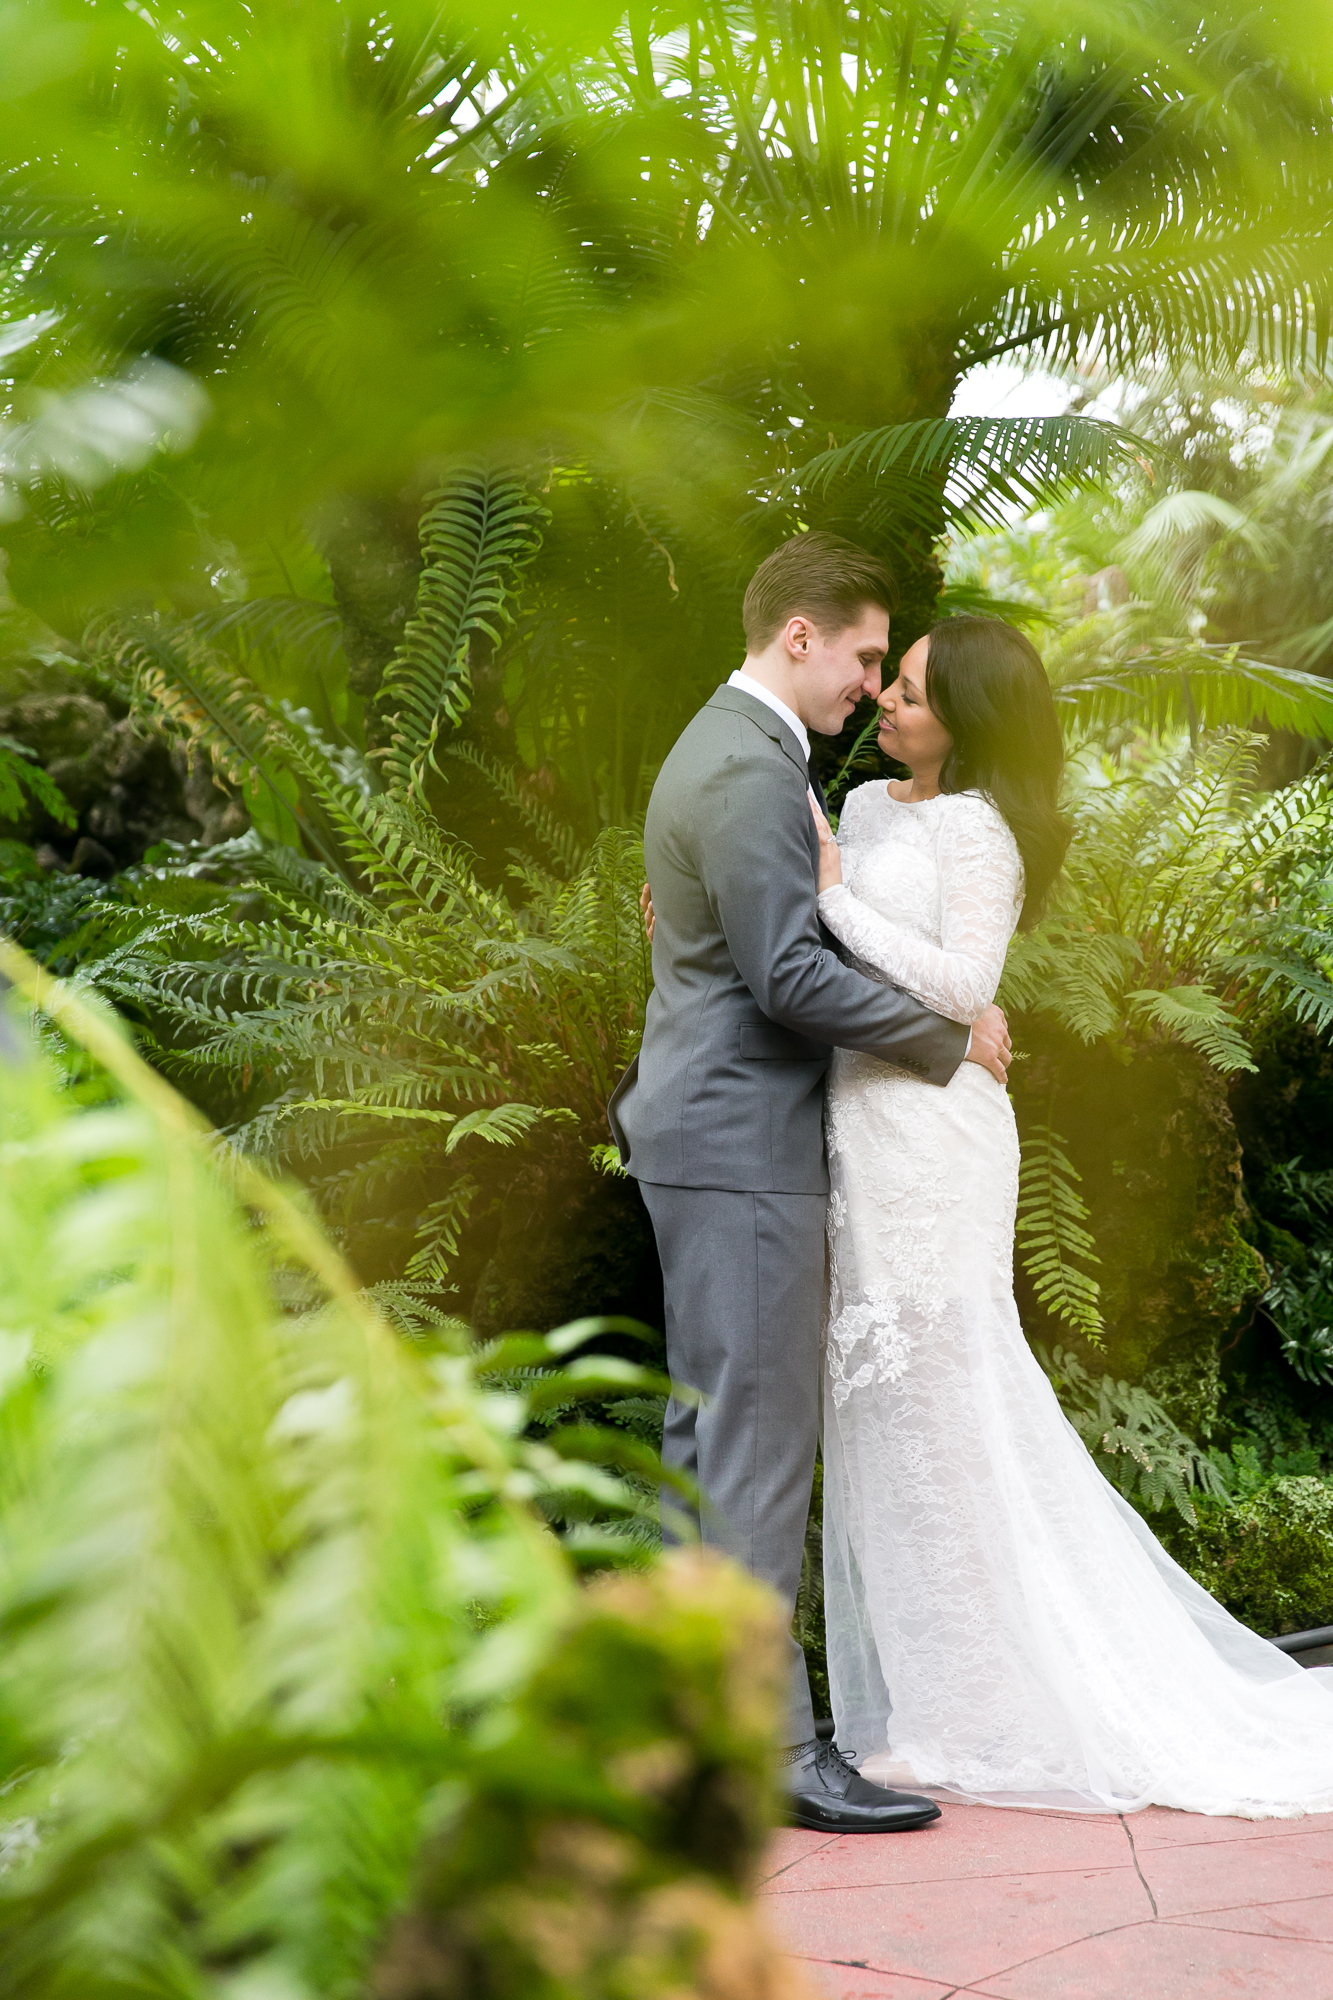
(728, 1088)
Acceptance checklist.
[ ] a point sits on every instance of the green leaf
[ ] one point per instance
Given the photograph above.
(20, 773)
(974, 470)
(1055, 1244)
(1193, 1015)
(478, 532)
(1171, 686)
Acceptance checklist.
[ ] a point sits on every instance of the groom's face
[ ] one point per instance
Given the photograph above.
(835, 670)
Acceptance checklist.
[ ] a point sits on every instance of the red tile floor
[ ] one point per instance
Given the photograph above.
(1062, 1906)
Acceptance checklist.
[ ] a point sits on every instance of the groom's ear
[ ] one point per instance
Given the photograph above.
(797, 633)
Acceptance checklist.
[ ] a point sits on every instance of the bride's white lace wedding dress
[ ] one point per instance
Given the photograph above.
(1002, 1626)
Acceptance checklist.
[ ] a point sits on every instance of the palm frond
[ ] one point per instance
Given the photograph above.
(974, 470)
(1169, 686)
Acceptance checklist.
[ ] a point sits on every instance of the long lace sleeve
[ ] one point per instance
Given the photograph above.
(981, 879)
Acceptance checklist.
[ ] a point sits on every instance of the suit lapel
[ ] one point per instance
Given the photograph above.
(772, 725)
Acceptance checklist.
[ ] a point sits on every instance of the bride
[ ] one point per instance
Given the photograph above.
(1002, 1626)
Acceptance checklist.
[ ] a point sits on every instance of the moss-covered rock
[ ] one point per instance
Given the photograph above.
(129, 787)
(1267, 1557)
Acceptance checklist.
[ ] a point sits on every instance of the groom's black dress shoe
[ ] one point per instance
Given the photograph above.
(825, 1793)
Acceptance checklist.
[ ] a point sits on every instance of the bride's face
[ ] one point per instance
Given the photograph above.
(909, 729)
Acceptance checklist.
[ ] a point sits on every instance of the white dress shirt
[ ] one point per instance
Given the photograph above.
(740, 679)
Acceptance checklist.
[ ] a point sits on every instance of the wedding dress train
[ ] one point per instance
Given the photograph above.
(1002, 1626)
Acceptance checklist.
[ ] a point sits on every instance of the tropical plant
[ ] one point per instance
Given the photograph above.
(1190, 589)
(1238, 546)
(1005, 167)
(1141, 663)
(21, 775)
(1192, 911)
(1266, 1554)
(1117, 672)
(1138, 1445)
(1300, 1305)
(1299, 1302)
(1191, 908)
(598, 239)
(396, 1016)
(1051, 1235)
(299, 1691)
(44, 911)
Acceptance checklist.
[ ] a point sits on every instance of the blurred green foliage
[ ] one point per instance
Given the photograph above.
(267, 271)
(299, 1692)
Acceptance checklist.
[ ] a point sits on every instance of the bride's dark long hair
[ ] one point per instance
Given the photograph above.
(986, 683)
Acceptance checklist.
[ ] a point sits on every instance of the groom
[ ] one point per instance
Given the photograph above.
(720, 1116)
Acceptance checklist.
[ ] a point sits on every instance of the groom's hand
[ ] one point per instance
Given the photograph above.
(991, 1046)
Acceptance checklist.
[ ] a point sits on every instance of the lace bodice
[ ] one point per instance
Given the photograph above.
(930, 897)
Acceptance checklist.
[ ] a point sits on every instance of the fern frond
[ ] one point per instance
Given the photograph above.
(1142, 1449)
(1072, 972)
(438, 1235)
(478, 532)
(168, 670)
(1198, 1018)
(559, 840)
(19, 773)
(169, 673)
(1304, 980)
(505, 1124)
(1051, 1215)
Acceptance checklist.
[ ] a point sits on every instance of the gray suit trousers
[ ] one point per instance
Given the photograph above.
(744, 1280)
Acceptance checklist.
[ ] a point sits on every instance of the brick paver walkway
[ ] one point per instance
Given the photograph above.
(1062, 1906)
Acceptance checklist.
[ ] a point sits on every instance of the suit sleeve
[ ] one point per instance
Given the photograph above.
(754, 850)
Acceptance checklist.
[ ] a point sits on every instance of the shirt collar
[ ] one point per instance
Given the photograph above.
(740, 679)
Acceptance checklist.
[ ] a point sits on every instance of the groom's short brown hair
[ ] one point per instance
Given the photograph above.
(821, 576)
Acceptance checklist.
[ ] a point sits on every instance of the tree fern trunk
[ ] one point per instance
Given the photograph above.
(374, 556)
(912, 556)
(1155, 1145)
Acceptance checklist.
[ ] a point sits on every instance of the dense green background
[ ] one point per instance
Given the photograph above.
(395, 402)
